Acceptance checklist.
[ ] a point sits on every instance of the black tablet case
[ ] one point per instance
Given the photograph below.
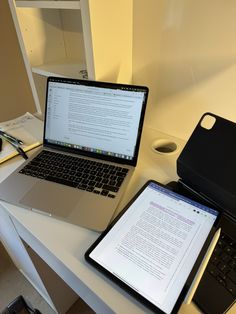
(207, 163)
(207, 168)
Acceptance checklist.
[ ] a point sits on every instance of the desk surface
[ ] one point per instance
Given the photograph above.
(63, 245)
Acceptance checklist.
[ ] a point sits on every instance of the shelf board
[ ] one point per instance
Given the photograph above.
(48, 4)
(62, 69)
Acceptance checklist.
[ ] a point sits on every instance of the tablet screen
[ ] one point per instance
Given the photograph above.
(154, 244)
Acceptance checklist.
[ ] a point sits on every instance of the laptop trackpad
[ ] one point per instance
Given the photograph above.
(55, 199)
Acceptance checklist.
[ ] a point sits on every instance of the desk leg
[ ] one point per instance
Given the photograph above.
(16, 250)
(62, 296)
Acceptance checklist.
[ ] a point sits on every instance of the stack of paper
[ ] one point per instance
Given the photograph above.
(27, 128)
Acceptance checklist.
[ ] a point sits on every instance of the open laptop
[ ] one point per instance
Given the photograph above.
(90, 147)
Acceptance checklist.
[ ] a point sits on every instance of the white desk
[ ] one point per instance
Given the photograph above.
(63, 245)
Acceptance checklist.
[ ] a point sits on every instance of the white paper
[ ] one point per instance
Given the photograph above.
(27, 128)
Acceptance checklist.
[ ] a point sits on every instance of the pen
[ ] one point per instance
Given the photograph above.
(10, 137)
(21, 152)
(16, 146)
(19, 149)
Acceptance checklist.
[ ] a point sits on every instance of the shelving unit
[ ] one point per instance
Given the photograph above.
(80, 39)
(47, 4)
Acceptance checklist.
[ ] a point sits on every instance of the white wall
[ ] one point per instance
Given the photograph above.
(185, 51)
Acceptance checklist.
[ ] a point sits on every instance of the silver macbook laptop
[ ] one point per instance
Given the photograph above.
(90, 148)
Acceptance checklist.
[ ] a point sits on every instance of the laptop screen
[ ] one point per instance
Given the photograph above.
(95, 117)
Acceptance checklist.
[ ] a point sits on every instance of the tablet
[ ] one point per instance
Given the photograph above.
(153, 245)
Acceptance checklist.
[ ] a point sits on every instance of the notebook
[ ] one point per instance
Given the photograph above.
(26, 127)
(92, 133)
(207, 170)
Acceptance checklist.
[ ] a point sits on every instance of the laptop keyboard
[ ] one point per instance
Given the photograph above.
(222, 264)
(84, 174)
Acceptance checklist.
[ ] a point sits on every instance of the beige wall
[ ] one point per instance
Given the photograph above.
(15, 93)
(185, 51)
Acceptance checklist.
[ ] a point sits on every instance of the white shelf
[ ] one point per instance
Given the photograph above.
(48, 4)
(86, 35)
(62, 68)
